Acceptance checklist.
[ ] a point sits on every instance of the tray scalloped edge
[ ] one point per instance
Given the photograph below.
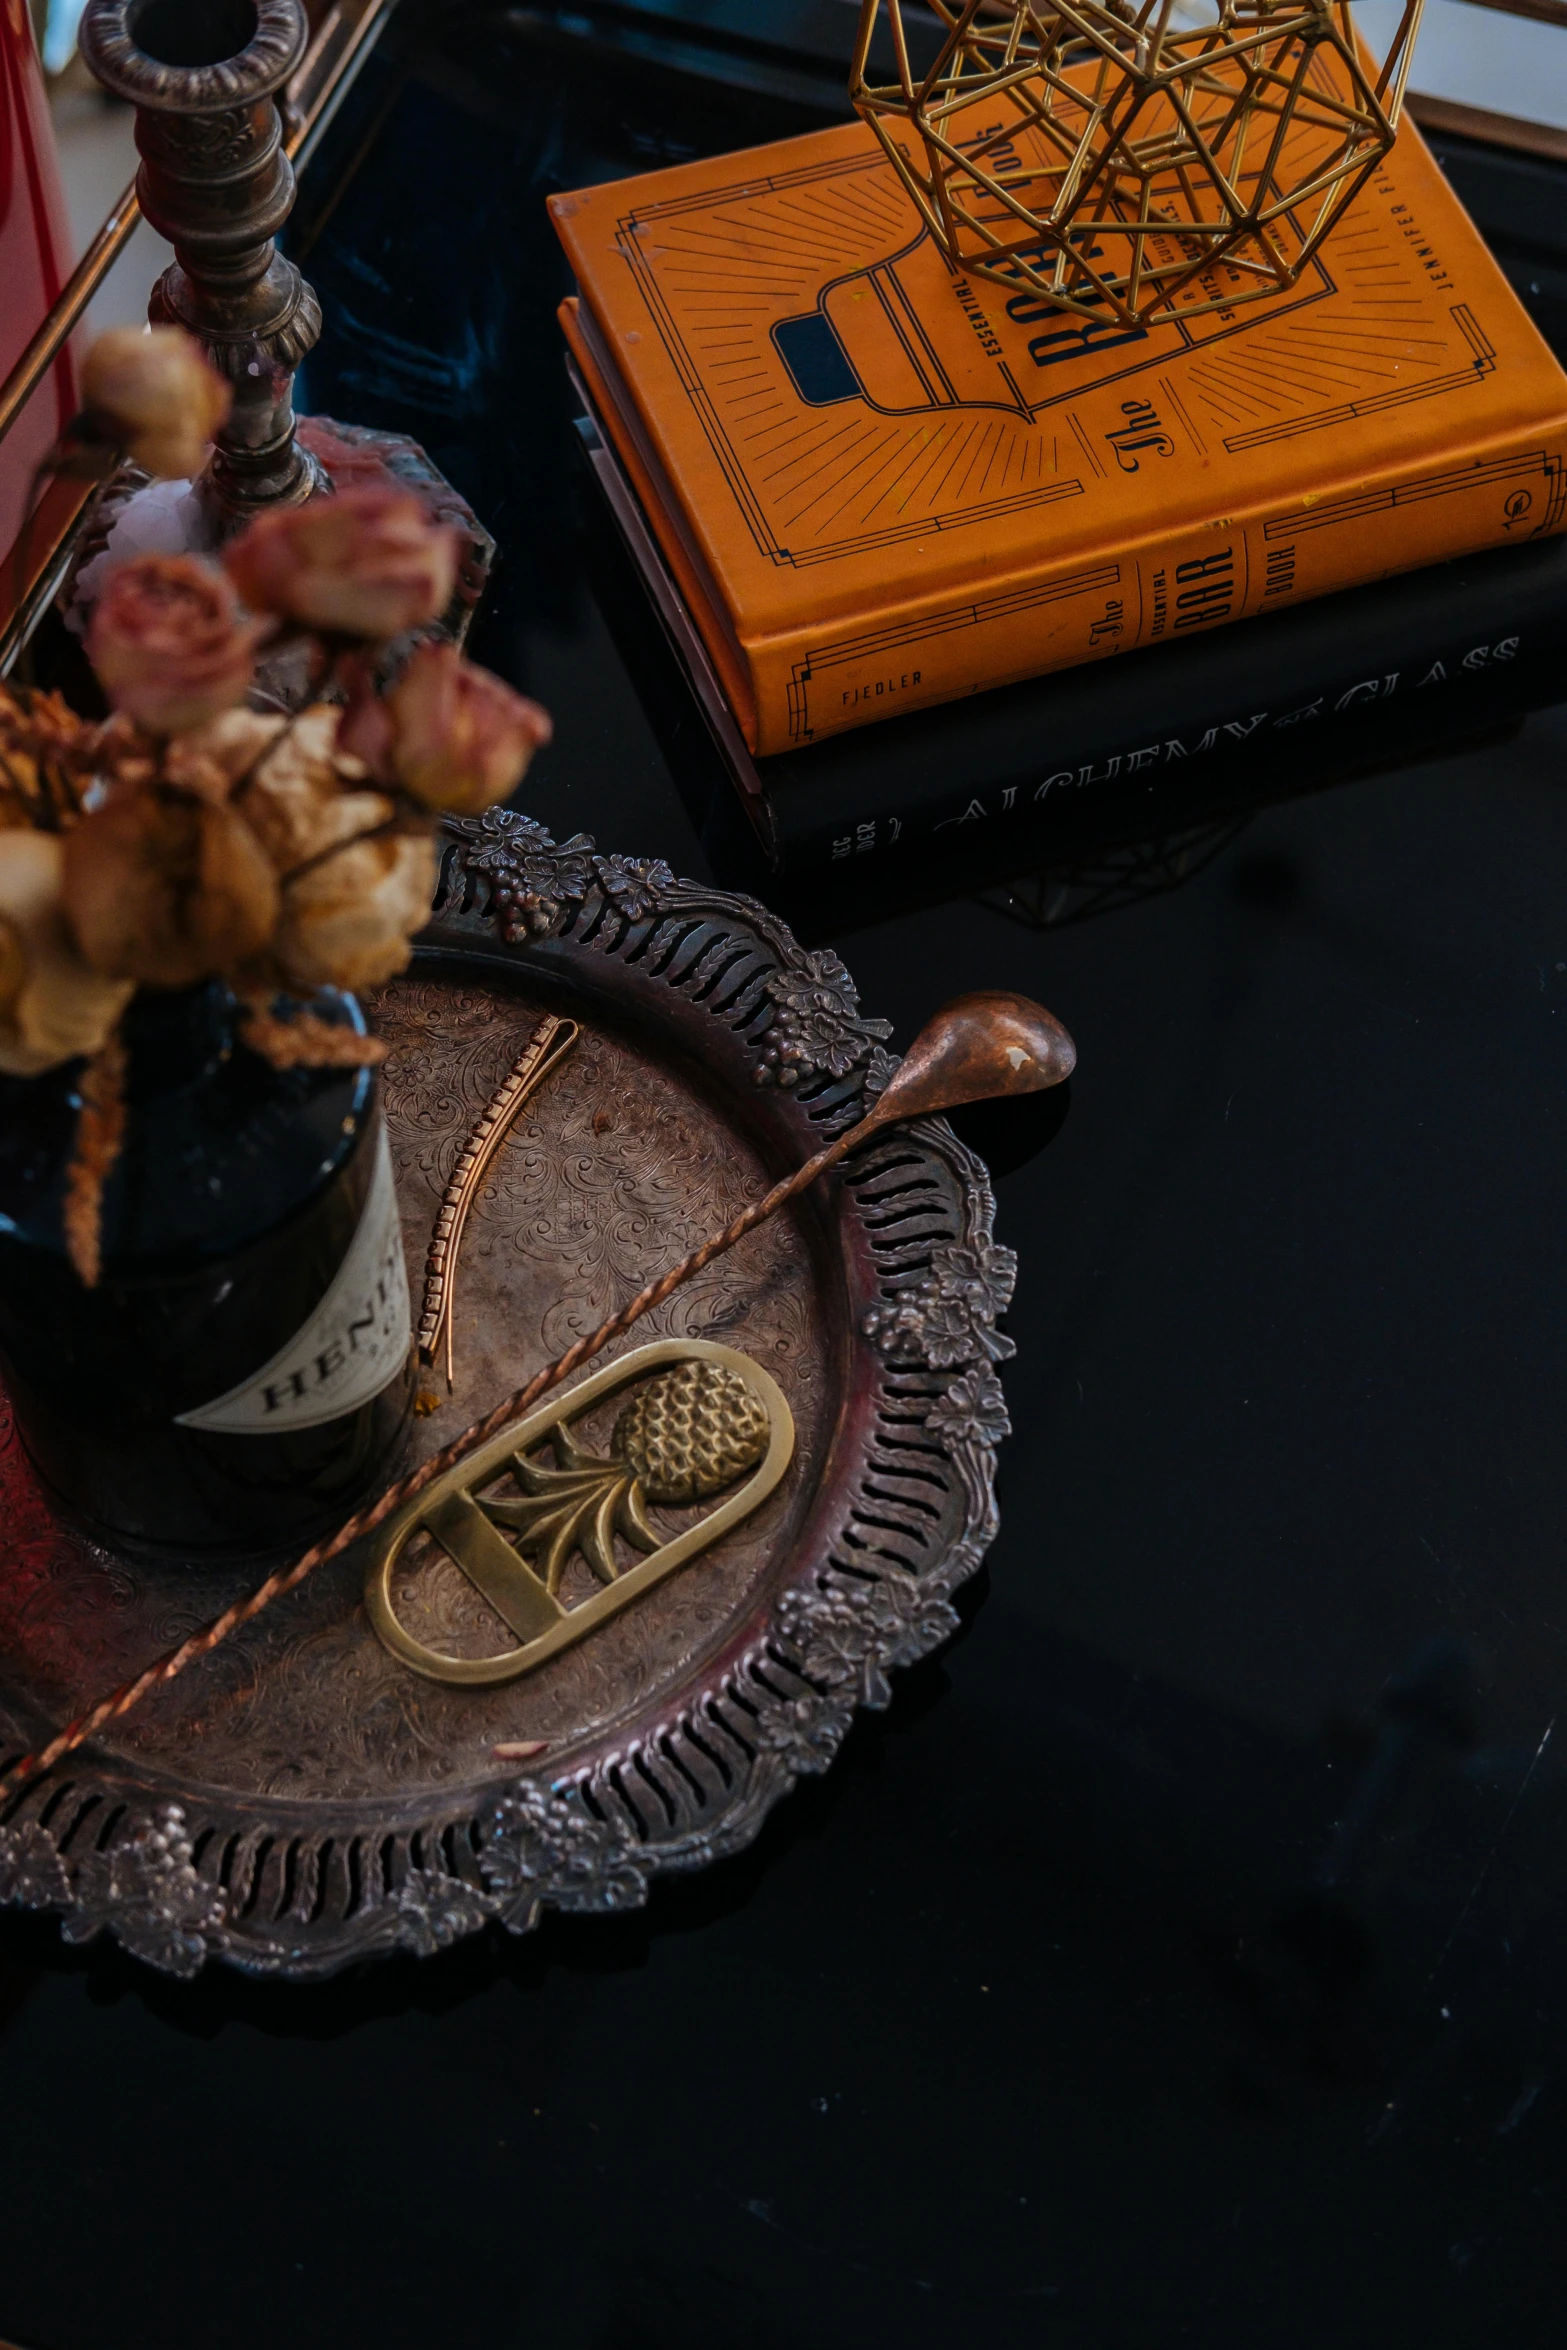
(708, 1774)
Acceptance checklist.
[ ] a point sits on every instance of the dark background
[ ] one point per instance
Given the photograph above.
(1183, 1957)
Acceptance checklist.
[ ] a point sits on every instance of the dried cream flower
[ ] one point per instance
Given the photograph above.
(165, 889)
(349, 921)
(302, 801)
(212, 760)
(53, 1005)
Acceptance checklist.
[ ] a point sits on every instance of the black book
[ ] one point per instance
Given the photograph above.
(1394, 670)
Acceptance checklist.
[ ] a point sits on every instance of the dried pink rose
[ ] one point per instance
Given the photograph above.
(368, 563)
(169, 644)
(155, 394)
(457, 737)
(53, 1004)
(365, 732)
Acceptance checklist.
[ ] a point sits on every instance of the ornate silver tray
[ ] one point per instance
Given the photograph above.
(300, 1800)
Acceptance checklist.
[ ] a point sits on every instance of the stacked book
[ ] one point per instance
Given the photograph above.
(901, 525)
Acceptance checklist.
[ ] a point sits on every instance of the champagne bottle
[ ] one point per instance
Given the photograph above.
(239, 1375)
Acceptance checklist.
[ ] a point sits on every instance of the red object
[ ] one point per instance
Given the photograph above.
(35, 258)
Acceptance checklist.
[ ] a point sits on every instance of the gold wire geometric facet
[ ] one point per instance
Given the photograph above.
(1126, 159)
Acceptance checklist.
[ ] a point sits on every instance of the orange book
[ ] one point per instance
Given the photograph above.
(882, 483)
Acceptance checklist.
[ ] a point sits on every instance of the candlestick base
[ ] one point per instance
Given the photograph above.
(138, 516)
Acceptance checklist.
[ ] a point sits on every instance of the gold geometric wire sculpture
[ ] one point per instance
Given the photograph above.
(1127, 159)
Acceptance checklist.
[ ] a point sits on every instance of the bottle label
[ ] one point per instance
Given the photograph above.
(353, 1345)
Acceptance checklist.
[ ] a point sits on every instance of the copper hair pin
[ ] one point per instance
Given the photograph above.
(543, 1053)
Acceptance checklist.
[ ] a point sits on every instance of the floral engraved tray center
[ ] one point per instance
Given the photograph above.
(304, 1798)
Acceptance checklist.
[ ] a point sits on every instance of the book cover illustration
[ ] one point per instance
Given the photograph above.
(882, 482)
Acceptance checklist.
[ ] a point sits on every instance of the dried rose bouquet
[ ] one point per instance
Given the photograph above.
(191, 838)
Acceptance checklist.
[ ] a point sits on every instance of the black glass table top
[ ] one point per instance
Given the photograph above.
(1182, 1958)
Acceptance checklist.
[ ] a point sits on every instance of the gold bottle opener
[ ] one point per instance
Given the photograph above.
(702, 1416)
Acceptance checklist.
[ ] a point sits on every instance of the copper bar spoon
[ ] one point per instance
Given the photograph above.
(980, 1047)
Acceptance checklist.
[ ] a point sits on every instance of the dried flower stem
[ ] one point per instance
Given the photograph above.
(100, 1134)
(40, 742)
(306, 1041)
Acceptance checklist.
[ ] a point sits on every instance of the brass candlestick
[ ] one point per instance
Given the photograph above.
(203, 76)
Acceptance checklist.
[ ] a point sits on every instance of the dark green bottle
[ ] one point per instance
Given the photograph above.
(237, 1380)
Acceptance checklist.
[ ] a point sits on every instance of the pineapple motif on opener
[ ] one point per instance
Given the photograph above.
(682, 1438)
(702, 1423)
(1130, 160)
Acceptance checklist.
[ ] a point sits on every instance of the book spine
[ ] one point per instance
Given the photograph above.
(1333, 720)
(697, 587)
(1166, 590)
